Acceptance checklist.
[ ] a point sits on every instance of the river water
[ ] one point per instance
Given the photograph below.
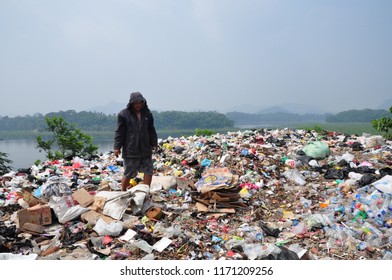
(24, 153)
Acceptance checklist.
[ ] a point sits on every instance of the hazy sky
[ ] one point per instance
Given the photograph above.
(194, 55)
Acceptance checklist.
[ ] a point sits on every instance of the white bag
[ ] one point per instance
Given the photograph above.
(116, 203)
(163, 182)
(112, 229)
(66, 208)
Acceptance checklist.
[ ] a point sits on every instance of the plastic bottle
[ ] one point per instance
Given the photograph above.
(373, 198)
(256, 236)
(359, 216)
(386, 206)
(360, 198)
(370, 229)
(306, 203)
(362, 246)
(384, 213)
(295, 176)
(370, 211)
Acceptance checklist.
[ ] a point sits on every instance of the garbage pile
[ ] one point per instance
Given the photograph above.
(254, 194)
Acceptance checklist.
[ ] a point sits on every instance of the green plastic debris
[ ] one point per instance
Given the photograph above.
(317, 150)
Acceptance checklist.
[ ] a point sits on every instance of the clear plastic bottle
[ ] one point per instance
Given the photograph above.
(295, 176)
(371, 211)
(373, 198)
(370, 229)
(306, 203)
(255, 236)
(359, 197)
(386, 207)
(362, 246)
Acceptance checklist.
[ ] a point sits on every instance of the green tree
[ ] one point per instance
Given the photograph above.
(383, 124)
(71, 141)
(4, 163)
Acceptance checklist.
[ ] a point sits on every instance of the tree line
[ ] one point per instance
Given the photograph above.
(94, 121)
(350, 116)
(365, 115)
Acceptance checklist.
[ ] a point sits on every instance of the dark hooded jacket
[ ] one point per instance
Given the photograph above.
(136, 139)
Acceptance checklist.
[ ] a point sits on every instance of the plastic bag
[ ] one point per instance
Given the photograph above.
(317, 150)
(269, 231)
(13, 257)
(112, 229)
(116, 203)
(333, 173)
(284, 254)
(384, 184)
(56, 186)
(66, 208)
(258, 250)
(295, 176)
(374, 141)
(163, 182)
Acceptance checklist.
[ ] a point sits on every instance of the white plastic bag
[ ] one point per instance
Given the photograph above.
(14, 257)
(384, 184)
(112, 229)
(116, 203)
(165, 182)
(66, 208)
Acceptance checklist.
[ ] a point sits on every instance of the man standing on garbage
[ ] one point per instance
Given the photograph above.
(136, 138)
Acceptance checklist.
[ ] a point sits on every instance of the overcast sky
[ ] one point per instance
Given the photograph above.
(194, 55)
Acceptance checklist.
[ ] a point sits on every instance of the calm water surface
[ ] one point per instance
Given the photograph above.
(24, 153)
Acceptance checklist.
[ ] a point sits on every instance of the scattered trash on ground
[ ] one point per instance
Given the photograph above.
(254, 194)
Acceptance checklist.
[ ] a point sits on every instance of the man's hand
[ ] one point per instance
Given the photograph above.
(116, 153)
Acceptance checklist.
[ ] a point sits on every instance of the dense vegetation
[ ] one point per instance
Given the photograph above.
(69, 140)
(350, 116)
(4, 163)
(93, 121)
(175, 123)
(191, 120)
(365, 115)
(384, 124)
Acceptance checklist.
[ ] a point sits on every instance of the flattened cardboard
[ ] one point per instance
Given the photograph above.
(99, 203)
(92, 217)
(31, 199)
(33, 228)
(38, 214)
(83, 197)
(183, 183)
(203, 208)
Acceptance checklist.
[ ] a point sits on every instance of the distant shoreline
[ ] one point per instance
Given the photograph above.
(348, 128)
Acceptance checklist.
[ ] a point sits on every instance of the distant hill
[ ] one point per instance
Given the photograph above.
(302, 108)
(364, 115)
(245, 108)
(273, 109)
